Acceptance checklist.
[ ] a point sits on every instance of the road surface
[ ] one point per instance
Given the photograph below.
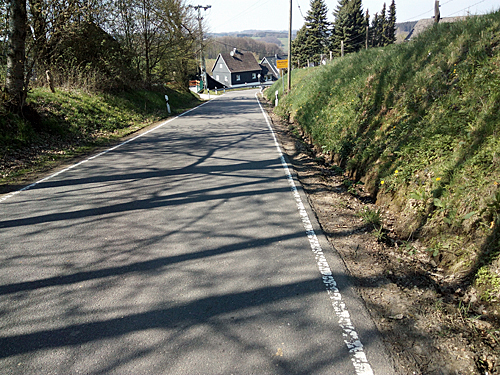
(187, 250)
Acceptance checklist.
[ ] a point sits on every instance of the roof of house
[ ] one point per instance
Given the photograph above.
(238, 61)
(273, 59)
(425, 23)
(270, 62)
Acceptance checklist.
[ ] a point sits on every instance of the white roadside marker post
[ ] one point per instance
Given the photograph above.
(168, 105)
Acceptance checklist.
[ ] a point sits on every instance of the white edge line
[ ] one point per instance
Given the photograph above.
(351, 337)
(10, 195)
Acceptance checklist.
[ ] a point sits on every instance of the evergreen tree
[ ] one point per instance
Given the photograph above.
(373, 31)
(300, 52)
(367, 28)
(391, 24)
(383, 27)
(349, 26)
(313, 38)
(318, 28)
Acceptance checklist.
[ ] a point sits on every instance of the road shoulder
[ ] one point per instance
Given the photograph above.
(422, 332)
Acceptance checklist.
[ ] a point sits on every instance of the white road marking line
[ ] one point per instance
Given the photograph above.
(351, 338)
(10, 195)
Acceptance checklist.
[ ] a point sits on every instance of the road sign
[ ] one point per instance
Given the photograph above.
(282, 64)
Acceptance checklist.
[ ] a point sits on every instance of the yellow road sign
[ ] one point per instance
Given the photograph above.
(282, 64)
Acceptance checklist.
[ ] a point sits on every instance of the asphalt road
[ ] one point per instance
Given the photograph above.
(187, 250)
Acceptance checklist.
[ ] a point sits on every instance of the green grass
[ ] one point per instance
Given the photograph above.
(418, 123)
(371, 217)
(70, 123)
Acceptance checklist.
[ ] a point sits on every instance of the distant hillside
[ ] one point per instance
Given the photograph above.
(227, 43)
(255, 34)
(279, 38)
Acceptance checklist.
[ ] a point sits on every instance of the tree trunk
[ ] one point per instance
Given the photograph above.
(14, 84)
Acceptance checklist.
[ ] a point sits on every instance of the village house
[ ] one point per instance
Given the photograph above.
(236, 68)
(270, 72)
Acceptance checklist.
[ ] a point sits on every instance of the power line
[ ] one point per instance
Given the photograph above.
(482, 1)
(412, 18)
(432, 10)
(300, 10)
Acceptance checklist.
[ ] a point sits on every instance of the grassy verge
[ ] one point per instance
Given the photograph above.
(62, 125)
(419, 124)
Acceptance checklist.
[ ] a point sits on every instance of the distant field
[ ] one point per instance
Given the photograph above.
(284, 41)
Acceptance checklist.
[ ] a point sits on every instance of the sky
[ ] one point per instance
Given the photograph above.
(240, 15)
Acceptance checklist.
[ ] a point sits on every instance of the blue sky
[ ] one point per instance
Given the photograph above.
(239, 15)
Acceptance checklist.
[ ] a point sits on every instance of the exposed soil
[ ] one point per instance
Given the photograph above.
(428, 327)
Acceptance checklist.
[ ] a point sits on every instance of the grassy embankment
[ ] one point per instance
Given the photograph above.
(419, 125)
(70, 123)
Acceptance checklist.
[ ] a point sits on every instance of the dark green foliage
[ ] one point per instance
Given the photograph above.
(317, 28)
(312, 38)
(390, 31)
(300, 51)
(349, 27)
(383, 27)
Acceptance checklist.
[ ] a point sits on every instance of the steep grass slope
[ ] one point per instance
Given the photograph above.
(67, 123)
(419, 124)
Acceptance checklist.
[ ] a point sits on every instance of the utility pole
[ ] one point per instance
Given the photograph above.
(290, 50)
(202, 56)
(437, 14)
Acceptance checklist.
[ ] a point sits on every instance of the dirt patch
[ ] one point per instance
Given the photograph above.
(428, 327)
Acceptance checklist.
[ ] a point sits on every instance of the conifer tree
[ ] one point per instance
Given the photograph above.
(390, 30)
(317, 26)
(312, 39)
(300, 51)
(383, 27)
(349, 26)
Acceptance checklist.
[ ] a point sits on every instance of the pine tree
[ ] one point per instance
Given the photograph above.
(300, 51)
(383, 28)
(317, 29)
(383, 24)
(367, 28)
(349, 27)
(390, 30)
(373, 32)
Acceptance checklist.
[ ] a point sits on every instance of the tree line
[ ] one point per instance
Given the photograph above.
(226, 43)
(100, 44)
(350, 31)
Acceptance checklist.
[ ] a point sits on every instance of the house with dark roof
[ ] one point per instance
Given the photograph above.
(270, 71)
(236, 68)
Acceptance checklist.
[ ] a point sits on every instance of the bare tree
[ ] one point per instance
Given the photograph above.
(14, 83)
